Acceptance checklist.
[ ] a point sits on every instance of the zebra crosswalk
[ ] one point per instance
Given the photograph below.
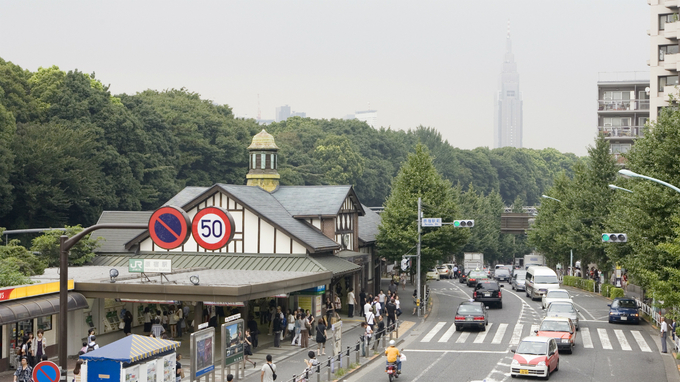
(508, 334)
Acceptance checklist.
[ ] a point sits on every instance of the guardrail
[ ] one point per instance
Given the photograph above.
(326, 370)
(650, 311)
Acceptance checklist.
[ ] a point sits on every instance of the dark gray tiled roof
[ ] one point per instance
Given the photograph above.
(368, 225)
(265, 205)
(114, 240)
(312, 200)
(336, 264)
(186, 196)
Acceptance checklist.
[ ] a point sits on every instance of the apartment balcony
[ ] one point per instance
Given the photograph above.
(671, 3)
(670, 61)
(671, 30)
(623, 105)
(621, 132)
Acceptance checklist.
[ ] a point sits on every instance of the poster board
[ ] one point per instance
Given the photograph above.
(317, 306)
(233, 339)
(305, 302)
(151, 371)
(131, 374)
(169, 368)
(202, 352)
(337, 337)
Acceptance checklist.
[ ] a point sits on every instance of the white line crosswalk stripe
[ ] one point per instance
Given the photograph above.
(463, 337)
(447, 335)
(587, 341)
(641, 341)
(516, 334)
(482, 335)
(622, 340)
(433, 332)
(604, 338)
(499, 334)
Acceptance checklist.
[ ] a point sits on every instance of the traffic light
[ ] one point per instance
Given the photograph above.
(614, 238)
(464, 223)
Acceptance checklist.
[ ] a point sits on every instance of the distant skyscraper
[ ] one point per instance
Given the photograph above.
(282, 113)
(368, 116)
(508, 113)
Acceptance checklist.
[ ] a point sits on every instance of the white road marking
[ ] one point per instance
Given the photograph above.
(587, 341)
(482, 335)
(433, 332)
(457, 351)
(447, 335)
(429, 367)
(463, 337)
(622, 340)
(604, 338)
(516, 334)
(641, 341)
(584, 309)
(499, 334)
(534, 327)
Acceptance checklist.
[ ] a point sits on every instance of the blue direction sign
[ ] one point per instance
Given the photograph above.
(169, 227)
(46, 371)
(432, 222)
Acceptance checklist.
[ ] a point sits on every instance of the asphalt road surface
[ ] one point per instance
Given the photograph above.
(604, 352)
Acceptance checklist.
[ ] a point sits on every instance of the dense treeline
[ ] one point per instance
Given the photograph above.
(70, 149)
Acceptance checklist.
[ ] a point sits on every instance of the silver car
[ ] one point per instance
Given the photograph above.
(517, 281)
(563, 309)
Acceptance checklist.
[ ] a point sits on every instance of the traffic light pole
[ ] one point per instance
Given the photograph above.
(418, 256)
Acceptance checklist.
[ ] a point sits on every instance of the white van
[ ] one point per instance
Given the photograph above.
(538, 280)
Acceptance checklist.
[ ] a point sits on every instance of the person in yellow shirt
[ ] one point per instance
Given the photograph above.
(392, 354)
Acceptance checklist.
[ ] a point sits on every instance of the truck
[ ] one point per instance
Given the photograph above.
(473, 261)
(533, 259)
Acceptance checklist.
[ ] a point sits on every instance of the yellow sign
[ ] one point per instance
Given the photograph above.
(13, 293)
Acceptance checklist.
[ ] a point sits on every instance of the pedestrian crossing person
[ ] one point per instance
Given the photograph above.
(664, 334)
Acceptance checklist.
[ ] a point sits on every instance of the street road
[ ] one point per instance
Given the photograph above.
(604, 352)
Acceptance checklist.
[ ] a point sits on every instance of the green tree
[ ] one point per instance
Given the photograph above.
(398, 229)
(47, 245)
(338, 160)
(17, 264)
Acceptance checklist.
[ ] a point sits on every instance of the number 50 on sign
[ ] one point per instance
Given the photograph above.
(212, 228)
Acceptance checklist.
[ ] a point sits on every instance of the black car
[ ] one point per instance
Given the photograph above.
(471, 314)
(502, 274)
(488, 292)
(463, 277)
(474, 276)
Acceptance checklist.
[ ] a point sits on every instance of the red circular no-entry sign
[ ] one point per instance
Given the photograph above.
(213, 228)
(169, 227)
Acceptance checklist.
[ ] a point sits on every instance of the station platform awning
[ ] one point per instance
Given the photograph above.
(40, 306)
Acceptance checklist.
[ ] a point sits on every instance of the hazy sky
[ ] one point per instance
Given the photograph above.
(417, 62)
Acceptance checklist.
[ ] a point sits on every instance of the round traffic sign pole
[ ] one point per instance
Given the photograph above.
(213, 228)
(169, 227)
(46, 371)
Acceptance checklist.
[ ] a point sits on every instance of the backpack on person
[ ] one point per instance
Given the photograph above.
(90, 348)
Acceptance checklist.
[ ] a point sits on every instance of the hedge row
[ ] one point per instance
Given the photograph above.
(579, 282)
(605, 289)
(616, 292)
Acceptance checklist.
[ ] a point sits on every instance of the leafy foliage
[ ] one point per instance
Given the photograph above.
(17, 264)
(48, 246)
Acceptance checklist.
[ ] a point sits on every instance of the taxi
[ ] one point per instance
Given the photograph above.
(535, 356)
(562, 329)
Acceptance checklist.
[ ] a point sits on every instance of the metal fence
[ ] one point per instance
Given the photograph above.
(650, 311)
(326, 370)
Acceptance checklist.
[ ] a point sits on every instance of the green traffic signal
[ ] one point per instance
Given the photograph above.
(456, 223)
(614, 238)
(463, 223)
(605, 237)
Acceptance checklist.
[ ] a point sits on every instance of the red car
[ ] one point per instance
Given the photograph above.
(535, 356)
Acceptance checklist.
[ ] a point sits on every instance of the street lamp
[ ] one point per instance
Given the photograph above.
(630, 174)
(614, 187)
(571, 251)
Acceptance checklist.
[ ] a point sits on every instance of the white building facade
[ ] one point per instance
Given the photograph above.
(508, 104)
(664, 58)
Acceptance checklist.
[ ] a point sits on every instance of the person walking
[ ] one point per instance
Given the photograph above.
(391, 315)
(157, 329)
(402, 279)
(351, 301)
(76, 371)
(290, 325)
(147, 320)
(338, 305)
(664, 334)
(179, 372)
(24, 372)
(362, 298)
(172, 322)
(248, 348)
(179, 315)
(304, 331)
(297, 329)
(381, 300)
(127, 319)
(254, 330)
(379, 331)
(367, 308)
(39, 346)
(321, 336)
(366, 338)
(268, 370)
(329, 309)
(393, 287)
(29, 350)
(277, 328)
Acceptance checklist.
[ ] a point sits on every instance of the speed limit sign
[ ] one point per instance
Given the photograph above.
(212, 228)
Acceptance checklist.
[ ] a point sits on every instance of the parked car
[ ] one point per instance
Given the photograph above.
(555, 295)
(450, 265)
(535, 356)
(475, 276)
(563, 309)
(444, 272)
(517, 281)
(432, 274)
(501, 274)
(471, 314)
(624, 309)
(488, 292)
(561, 329)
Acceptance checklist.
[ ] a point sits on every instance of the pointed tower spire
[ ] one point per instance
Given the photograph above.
(508, 44)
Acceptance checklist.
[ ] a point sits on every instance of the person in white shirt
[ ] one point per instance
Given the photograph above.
(367, 308)
(664, 334)
(381, 300)
(351, 301)
(378, 306)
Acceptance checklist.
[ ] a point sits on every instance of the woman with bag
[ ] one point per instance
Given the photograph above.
(321, 335)
(248, 348)
(297, 328)
(305, 329)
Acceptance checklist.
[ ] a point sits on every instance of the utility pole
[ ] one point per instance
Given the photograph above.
(418, 255)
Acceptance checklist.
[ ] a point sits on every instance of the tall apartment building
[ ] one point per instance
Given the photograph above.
(282, 113)
(664, 60)
(623, 108)
(508, 103)
(368, 116)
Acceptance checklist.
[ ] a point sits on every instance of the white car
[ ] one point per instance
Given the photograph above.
(432, 274)
(555, 295)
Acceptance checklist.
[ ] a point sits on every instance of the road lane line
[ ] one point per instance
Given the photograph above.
(622, 340)
(534, 327)
(463, 337)
(585, 310)
(457, 351)
(482, 335)
(641, 341)
(499, 334)
(429, 367)
(587, 341)
(604, 338)
(516, 334)
(433, 332)
(447, 335)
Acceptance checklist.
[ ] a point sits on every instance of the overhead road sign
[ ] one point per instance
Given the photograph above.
(169, 227)
(431, 222)
(213, 228)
